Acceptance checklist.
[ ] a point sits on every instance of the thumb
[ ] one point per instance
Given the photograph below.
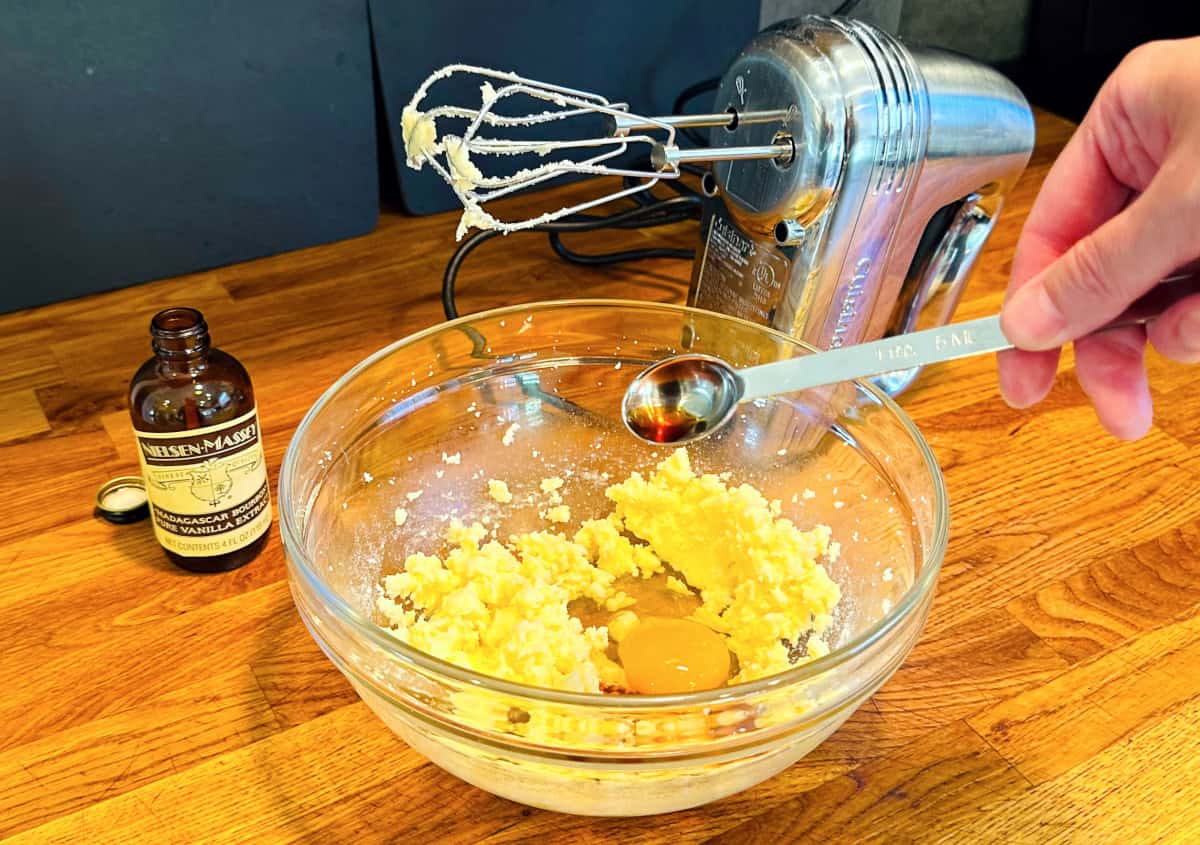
(1104, 271)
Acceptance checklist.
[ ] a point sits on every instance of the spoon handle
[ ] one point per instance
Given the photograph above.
(929, 346)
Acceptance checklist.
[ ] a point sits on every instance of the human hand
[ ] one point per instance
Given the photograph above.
(1119, 211)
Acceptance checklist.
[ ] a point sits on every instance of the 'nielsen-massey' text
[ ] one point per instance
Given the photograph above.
(201, 447)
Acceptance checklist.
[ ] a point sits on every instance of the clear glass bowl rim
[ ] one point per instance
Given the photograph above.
(298, 559)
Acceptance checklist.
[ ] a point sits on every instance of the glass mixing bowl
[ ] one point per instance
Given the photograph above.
(844, 456)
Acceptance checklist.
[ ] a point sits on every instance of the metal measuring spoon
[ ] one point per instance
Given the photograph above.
(686, 397)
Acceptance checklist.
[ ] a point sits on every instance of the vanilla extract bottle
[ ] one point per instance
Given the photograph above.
(200, 447)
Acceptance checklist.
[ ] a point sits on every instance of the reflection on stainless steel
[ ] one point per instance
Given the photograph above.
(620, 124)
(664, 157)
(847, 244)
(681, 399)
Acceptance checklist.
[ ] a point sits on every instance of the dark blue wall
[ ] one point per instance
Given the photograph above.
(144, 139)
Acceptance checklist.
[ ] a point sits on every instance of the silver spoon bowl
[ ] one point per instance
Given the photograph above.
(681, 398)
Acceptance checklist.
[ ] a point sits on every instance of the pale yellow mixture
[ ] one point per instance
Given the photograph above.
(419, 133)
(510, 609)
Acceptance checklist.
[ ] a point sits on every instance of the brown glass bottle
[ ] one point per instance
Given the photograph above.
(200, 447)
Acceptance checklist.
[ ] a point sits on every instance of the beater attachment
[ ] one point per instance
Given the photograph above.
(516, 106)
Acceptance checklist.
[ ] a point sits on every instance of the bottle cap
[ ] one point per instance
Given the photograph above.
(123, 499)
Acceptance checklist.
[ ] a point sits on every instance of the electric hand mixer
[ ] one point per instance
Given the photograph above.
(854, 180)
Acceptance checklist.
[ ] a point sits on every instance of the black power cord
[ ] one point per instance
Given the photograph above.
(686, 96)
(643, 215)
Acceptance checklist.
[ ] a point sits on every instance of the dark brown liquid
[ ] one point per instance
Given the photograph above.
(189, 385)
(665, 425)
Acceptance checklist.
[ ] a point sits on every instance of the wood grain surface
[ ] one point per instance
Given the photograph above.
(1054, 696)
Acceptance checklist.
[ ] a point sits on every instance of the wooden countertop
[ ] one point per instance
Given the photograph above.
(1054, 696)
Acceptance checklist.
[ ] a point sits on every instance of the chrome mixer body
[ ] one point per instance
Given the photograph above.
(853, 183)
(902, 160)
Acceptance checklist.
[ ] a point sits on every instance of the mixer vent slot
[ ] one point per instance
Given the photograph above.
(901, 109)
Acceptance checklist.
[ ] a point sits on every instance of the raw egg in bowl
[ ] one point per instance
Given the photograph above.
(465, 511)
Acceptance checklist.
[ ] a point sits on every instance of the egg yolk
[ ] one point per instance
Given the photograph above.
(662, 656)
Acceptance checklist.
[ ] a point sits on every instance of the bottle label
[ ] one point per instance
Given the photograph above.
(207, 486)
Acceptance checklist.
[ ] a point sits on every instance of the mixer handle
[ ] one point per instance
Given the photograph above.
(942, 264)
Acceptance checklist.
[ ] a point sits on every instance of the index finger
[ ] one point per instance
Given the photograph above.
(1079, 194)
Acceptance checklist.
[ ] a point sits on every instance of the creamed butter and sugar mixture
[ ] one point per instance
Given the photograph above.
(511, 609)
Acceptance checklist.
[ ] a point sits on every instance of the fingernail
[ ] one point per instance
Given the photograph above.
(1010, 382)
(1015, 402)
(1019, 387)
(1134, 424)
(1032, 322)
